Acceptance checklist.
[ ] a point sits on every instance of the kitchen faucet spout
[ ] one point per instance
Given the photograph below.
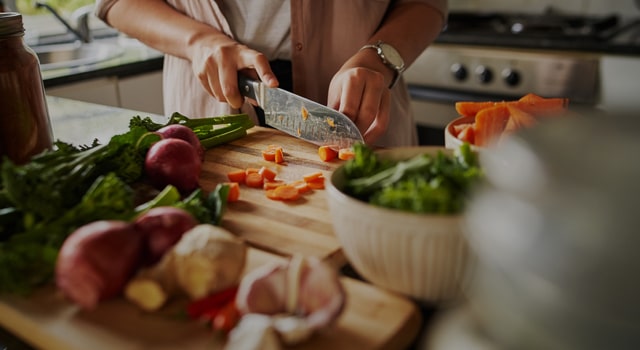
(82, 32)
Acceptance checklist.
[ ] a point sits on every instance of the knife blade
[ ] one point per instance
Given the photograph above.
(301, 117)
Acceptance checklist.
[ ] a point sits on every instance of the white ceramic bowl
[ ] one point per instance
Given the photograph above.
(450, 141)
(422, 256)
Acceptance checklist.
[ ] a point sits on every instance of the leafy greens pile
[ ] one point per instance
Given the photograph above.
(423, 184)
(59, 190)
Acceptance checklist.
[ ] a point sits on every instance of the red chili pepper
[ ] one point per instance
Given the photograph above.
(227, 318)
(209, 306)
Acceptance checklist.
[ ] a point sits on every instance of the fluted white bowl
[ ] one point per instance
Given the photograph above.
(450, 140)
(423, 256)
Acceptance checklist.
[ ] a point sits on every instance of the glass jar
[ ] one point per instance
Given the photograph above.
(25, 127)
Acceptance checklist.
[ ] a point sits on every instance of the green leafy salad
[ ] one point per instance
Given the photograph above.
(423, 184)
(57, 191)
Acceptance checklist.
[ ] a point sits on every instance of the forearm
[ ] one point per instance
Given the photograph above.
(158, 25)
(410, 28)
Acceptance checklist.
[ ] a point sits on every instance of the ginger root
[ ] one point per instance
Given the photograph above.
(205, 260)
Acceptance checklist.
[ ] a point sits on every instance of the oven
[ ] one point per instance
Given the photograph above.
(503, 56)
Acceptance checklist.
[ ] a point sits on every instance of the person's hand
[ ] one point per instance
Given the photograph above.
(361, 93)
(216, 61)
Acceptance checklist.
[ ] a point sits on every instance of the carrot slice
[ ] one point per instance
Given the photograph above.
(346, 153)
(312, 176)
(269, 185)
(471, 108)
(490, 123)
(287, 192)
(271, 194)
(234, 191)
(267, 173)
(467, 134)
(301, 185)
(522, 118)
(237, 176)
(317, 183)
(269, 153)
(251, 170)
(254, 180)
(279, 156)
(327, 153)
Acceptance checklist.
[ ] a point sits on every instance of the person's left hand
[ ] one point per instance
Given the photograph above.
(362, 95)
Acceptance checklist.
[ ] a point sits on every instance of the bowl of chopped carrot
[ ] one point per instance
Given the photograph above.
(397, 214)
(483, 124)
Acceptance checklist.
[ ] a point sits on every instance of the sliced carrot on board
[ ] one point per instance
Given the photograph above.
(269, 153)
(271, 194)
(286, 192)
(269, 185)
(301, 185)
(346, 153)
(251, 170)
(490, 123)
(312, 176)
(254, 180)
(279, 157)
(267, 174)
(237, 176)
(327, 153)
(234, 191)
(317, 184)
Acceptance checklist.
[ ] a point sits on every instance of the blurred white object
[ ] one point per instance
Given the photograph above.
(556, 233)
(423, 256)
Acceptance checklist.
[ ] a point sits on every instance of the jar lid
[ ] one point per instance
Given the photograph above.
(11, 24)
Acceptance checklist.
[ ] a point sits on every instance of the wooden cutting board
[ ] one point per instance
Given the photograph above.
(372, 319)
(302, 227)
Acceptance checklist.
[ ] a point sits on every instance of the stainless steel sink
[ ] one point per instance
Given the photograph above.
(75, 54)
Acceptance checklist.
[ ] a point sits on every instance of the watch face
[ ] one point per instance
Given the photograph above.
(391, 55)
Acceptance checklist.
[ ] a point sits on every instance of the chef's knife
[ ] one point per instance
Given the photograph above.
(301, 117)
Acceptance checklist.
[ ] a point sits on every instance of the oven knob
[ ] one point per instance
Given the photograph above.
(511, 77)
(485, 75)
(459, 72)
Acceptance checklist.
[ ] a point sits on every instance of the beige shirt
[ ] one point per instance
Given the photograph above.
(318, 52)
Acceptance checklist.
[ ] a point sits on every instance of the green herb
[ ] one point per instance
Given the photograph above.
(424, 184)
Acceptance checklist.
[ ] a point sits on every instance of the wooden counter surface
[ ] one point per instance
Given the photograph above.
(373, 318)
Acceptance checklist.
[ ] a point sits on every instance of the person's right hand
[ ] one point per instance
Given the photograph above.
(216, 61)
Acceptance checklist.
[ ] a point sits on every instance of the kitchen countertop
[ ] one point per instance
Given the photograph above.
(394, 322)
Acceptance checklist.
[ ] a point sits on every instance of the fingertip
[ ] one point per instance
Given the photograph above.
(270, 80)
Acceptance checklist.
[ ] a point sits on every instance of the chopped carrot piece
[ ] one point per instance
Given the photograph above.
(267, 173)
(346, 153)
(490, 123)
(234, 191)
(301, 186)
(237, 176)
(287, 192)
(279, 157)
(471, 108)
(269, 153)
(251, 170)
(467, 134)
(327, 153)
(316, 184)
(312, 176)
(522, 118)
(271, 194)
(254, 180)
(269, 185)
(305, 113)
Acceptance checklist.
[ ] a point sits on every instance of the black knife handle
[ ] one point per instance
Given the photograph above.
(248, 87)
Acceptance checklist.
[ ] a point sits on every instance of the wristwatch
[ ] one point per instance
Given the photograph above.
(390, 57)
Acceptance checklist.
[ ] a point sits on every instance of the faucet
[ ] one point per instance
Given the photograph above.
(81, 17)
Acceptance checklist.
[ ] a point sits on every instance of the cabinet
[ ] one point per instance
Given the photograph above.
(141, 92)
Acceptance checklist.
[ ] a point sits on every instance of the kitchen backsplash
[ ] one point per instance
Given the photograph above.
(625, 8)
